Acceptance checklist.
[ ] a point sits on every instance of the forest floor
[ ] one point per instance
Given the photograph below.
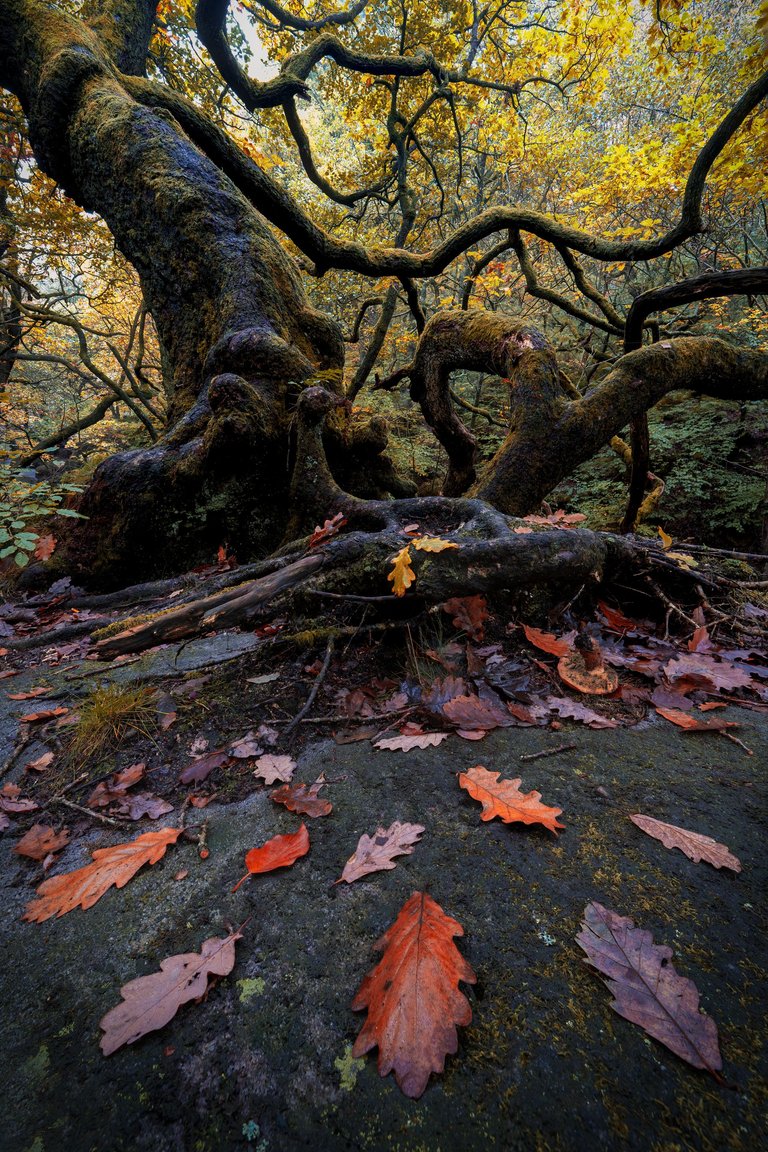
(266, 1061)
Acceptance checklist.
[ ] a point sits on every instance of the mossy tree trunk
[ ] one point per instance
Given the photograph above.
(237, 336)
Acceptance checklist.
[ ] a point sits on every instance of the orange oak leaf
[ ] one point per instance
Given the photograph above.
(695, 845)
(279, 852)
(110, 866)
(412, 995)
(30, 695)
(303, 798)
(548, 642)
(328, 529)
(40, 840)
(504, 799)
(646, 988)
(692, 723)
(47, 714)
(149, 1002)
(406, 743)
(376, 853)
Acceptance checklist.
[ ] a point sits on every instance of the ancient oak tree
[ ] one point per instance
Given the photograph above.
(407, 129)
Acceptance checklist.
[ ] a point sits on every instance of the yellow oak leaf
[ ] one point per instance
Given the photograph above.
(402, 575)
(432, 544)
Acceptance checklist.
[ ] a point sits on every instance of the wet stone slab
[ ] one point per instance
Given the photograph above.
(265, 1063)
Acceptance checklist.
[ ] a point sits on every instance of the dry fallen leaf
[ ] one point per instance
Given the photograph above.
(692, 723)
(201, 768)
(432, 544)
(547, 642)
(470, 713)
(110, 866)
(646, 988)
(402, 575)
(328, 529)
(412, 995)
(574, 710)
(376, 853)
(504, 799)
(279, 852)
(270, 768)
(149, 1002)
(30, 695)
(143, 804)
(468, 613)
(246, 747)
(40, 840)
(116, 786)
(45, 547)
(47, 714)
(303, 798)
(41, 763)
(406, 743)
(10, 800)
(721, 674)
(695, 845)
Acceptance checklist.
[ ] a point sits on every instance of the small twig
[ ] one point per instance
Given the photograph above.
(202, 841)
(22, 740)
(549, 752)
(87, 811)
(183, 812)
(735, 740)
(349, 596)
(671, 606)
(315, 688)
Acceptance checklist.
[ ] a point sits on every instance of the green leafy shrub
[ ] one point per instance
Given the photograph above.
(23, 503)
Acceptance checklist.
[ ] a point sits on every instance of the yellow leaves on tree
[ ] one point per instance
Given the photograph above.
(402, 574)
(113, 866)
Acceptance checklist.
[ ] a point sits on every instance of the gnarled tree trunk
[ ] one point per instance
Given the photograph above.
(237, 336)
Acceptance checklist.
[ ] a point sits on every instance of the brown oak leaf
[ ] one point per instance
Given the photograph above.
(149, 1002)
(270, 768)
(470, 713)
(115, 788)
(408, 742)
(110, 866)
(41, 840)
(646, 988)
(573, 710)
(504, 799)
(412, 995)
(695, 845)
(376, 853)
(201, 768)
(303, 798)
(468, 613)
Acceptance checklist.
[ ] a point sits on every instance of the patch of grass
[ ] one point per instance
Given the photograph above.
(107, 715)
